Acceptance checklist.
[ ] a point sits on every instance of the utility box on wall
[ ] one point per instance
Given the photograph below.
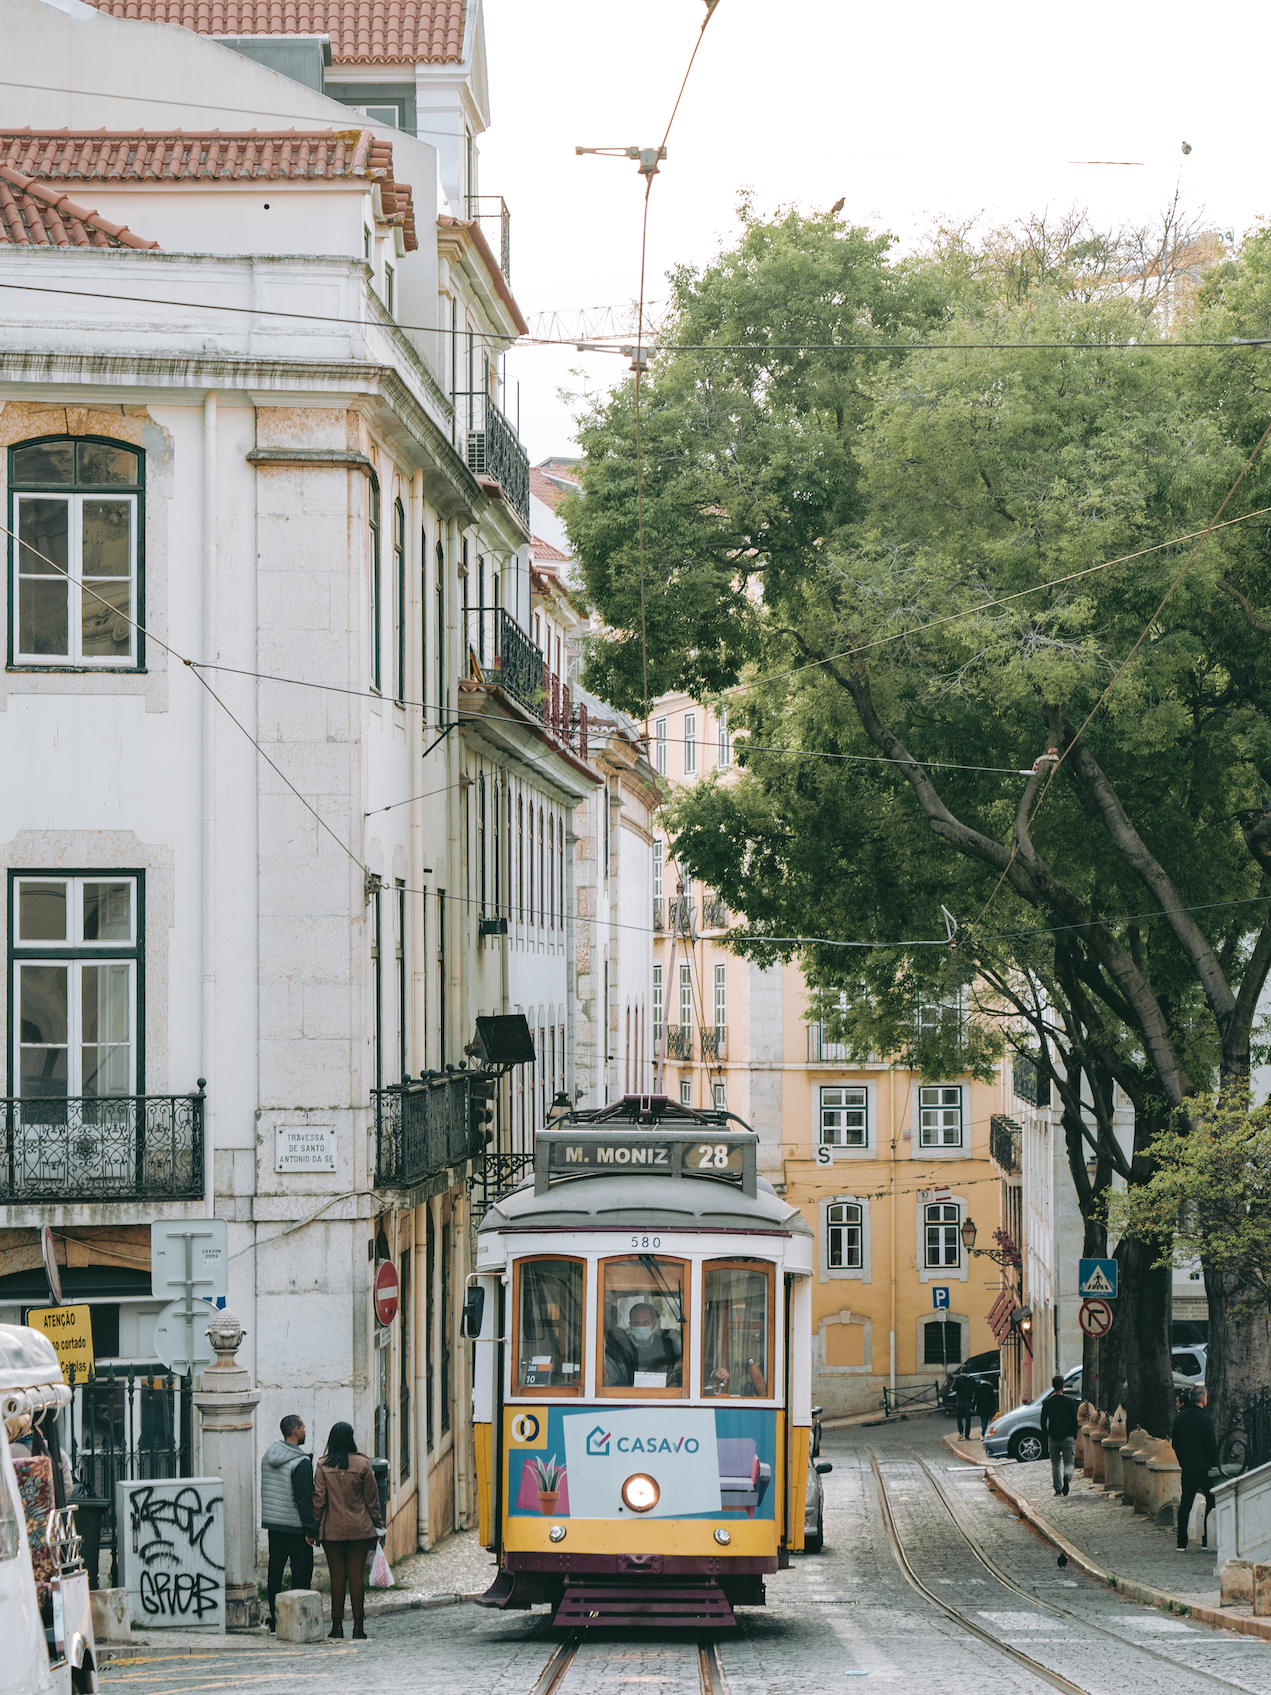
(172, 1553)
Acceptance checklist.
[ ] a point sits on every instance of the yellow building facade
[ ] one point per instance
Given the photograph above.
(886, 1167)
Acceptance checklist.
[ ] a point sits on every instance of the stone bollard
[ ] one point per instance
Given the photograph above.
(1235, 1584)
(1113, 1442)
(227, 1408)
(110, 1615)
(1164, 1485)
(1098, 1470)
(1261, 1590)
(1079, 1446)
(299, 1615)
(1144, 1454)
(1089, 1436)
(1129, 1472)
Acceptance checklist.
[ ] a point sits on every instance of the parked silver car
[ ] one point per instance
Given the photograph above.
(1017, 1435)
(1188, 1364)
(814, 1507)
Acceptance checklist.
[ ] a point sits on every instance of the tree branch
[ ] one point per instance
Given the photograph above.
(1253, 623)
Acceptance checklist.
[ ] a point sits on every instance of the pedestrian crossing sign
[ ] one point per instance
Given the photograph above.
(1097, 1277)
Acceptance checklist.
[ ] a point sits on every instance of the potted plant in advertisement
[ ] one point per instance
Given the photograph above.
(548, 1474)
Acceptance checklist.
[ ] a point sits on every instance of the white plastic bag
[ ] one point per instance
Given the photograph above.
(381, 1571)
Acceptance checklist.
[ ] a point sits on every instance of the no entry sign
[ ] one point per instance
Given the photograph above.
(386, 1293)
(1095, 1317)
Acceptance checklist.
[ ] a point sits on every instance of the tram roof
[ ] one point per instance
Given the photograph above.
(630, 1199)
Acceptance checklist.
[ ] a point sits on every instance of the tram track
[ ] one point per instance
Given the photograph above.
(1194, 1676)
(710, 1671)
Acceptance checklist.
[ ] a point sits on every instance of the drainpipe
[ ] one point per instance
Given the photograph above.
(423, 1353)
(892, 1340)
(207, 1027)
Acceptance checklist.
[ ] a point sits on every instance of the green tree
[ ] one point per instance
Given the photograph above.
(832, 535)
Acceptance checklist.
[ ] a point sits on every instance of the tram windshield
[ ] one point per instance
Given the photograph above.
(736, 1329)
(644, 1324)
(550, 1331)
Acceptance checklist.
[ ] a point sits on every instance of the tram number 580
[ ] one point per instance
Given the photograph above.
(712, 1156)
(646, 1241)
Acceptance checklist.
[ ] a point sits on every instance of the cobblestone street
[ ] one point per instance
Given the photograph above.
(849, 1612)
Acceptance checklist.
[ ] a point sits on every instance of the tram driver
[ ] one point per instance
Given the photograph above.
(644, 1348)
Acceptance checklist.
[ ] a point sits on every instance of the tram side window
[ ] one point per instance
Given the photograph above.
(736, 1330)
(550, 1332)
(644, 1323)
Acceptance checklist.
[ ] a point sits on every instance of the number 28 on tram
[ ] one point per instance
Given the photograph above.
(641, 1317)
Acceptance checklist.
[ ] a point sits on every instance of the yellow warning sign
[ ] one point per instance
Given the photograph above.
(70, 1329)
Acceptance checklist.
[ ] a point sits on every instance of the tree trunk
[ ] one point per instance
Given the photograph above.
(1238, 1352)
(1142, 1311)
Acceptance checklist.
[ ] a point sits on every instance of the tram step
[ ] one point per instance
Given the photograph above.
(691, 1606)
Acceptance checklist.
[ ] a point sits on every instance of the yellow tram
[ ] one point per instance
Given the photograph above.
(641, 1318)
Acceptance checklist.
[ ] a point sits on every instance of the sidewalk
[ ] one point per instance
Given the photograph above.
(1111, 1543)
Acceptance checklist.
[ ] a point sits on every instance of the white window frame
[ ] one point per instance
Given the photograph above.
(721, 997)
(657, 1008)
(686, 1094)
(828, 1273)
(932, 1098)
(721, 1097)
(73, 954)
(658, 867)
(690, 744)
(958, 1273)
(659, 746)
(725, 754)
(75, 581)
(685, 1002)
(828, 1153)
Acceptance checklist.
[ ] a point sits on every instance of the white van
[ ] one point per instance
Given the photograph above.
(53, 1652)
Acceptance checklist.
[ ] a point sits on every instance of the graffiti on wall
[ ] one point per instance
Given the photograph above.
(174, 1552)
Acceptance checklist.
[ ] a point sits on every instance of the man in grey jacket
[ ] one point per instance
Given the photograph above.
(286, 1508)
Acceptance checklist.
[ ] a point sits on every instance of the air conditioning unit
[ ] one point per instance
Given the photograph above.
(476, 452)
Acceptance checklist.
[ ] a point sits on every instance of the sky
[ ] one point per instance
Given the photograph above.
(916, 115)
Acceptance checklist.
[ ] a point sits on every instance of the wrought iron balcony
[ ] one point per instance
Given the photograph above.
(492, 449)
(1005, 1137)
(657, 912)
(104, 1148)
(821, 1051)
(679, 1041)
(498, 216)
(422, 1129)
(714, 914)
(1030, 1085)
(714, 1041)
(507, 656)
(679, 915)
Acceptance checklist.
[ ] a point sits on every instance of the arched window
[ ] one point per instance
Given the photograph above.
(542, 893)
(560, 844)
(520, 857)
(76, 589)
(399, 596)
(843, 1235)
(377, 610)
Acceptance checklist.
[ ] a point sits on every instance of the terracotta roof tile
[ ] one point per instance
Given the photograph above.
(548, 489)
(543, 553)
(32, 215)
(362, 32)
(185, 156)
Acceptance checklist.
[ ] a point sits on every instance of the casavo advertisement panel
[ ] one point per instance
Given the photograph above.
(571, 1462)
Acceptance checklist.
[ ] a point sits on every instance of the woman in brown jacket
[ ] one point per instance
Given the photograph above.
(346, 1505)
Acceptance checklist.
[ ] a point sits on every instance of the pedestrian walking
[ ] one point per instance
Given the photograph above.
(346, 1505)
(985, 1402)
(1059, 1427)
(286, 1509)
(964, 1401)
(1195, 1444)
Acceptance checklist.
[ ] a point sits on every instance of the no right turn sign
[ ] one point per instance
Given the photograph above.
(1095, 1318)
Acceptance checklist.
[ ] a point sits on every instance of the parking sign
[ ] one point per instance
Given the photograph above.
(940, 1297)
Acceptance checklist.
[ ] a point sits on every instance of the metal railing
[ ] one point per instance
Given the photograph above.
(679, 1041)
(657, 912)
(821, 1051)
(1247, 1441)
(500, 215)
(492, 449)
(714, 1041)
(127, 1425)
(103, 1148)
(1029, 1083)
(714, 914)
(1004, 1143)
(507, 656)
(909, 1397)
(679, 915)
(422, 1129)
(498, 1176)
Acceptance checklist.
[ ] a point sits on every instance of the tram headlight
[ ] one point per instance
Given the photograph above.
(556, 1533)
(722, 1537)
(641, 1493)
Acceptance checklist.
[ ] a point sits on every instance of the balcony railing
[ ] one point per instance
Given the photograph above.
(1030, 1085)
(679, 915)
(657, 912)
(423, 1129)
(679, 1041)
(1005, 1137)
(821, 1051)
(714, 914)
(492, 449)
(104, 1148)
(496, 226)
(714, 1041)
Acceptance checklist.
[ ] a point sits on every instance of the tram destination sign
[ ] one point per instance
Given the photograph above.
(565, 1153)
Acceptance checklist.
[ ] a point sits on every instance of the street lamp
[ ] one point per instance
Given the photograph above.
(999, 1256)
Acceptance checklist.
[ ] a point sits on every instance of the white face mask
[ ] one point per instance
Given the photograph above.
(642, 1332)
